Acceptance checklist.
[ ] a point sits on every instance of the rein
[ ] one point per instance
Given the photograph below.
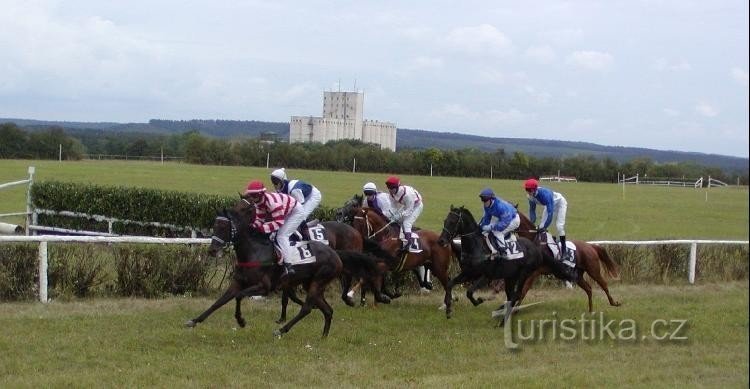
(233, 235)
(369, 226)
(454, 234)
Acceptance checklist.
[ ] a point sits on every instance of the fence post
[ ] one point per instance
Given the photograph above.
(691, 264)
(43, 271)
(29, 220)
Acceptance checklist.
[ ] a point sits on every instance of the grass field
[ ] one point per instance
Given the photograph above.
(595, 211)
(142, 343)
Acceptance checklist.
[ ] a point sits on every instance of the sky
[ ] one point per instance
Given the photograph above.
(660, 74)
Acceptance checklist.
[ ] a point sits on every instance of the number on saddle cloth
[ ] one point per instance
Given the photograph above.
(315, 232)
(301, 253)
(555, 248)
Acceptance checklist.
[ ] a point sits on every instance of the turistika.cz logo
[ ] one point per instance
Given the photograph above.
(592, 328)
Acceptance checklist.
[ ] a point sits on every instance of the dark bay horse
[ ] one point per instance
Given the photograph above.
(434, 256)
(589, 258)
(256, 272)
(476, 268)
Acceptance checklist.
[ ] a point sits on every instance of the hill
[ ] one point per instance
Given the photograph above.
(406, 138)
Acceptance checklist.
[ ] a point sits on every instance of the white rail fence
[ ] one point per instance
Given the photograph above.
(44, 239)
(29, 181)
(638, 180)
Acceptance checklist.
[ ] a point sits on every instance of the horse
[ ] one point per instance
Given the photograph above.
(475, 266)
(588, 259)
(435, 256)
(256, 273)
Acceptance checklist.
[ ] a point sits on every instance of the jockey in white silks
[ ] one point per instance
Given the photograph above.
(306, 194)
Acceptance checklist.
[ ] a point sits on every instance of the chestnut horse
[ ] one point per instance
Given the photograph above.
(588, 259)
(256, 272)
(434, 256)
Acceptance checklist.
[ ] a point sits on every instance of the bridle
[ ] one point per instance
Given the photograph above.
(371, 234)
(232, 234)
(455, 234)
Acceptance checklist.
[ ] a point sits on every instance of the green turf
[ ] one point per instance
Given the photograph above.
(596, 211)
(410, 343)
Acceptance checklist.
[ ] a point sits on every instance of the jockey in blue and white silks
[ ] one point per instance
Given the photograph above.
(306, 194)
(555, 206)
(500, 218)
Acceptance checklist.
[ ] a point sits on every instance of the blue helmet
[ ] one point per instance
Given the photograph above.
(486, 193)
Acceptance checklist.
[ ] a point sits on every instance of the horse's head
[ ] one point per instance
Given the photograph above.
(370, 224)
(458, 223)
(224, 233)
(346, 213)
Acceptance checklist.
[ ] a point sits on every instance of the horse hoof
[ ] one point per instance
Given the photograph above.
(348, 301)
(190, 324)
(241, 322)
(277, 333)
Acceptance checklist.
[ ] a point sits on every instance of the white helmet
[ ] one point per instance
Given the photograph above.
(279, 173)
(370, 187)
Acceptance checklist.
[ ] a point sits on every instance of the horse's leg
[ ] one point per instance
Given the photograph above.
(476, 285)
(238, 312)
(375, 284)
(304, 311)
(586, 288)
(529, 282)
(230, 293)
(346, 290)
(460, 278)
(320, 301)
(602, 284)
(511, 296)
(284, 303)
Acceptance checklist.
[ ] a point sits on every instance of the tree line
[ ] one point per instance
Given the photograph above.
(342, 155)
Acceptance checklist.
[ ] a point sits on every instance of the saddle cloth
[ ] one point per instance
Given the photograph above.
(511, 245)
(555, 248)
(300, 253)
(316, 232)
(415, 245)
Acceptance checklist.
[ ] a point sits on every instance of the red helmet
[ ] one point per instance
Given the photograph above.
(255, 187)
(392, 182)
(530, 184)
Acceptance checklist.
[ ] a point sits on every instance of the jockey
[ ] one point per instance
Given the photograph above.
(406, 206)
(305, 194)
(379, 201)
(500, 218)
(555, 206)
(285, 213)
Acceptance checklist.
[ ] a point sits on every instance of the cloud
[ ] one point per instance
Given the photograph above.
(706, 109)
(541, 54)
(491, 118)
(563, 37)
(423, 63)
(662, 65)
(537, 95)
(479, 40)
(671, 112)
(739, 75)
(580, 124)
(590, 60)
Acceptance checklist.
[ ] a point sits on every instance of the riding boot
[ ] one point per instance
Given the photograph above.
(288, 269)
(563, 248)
(304, 231)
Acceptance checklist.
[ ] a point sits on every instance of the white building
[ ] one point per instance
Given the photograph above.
(342, 119)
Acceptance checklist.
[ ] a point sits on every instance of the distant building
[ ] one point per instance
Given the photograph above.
(342, 119)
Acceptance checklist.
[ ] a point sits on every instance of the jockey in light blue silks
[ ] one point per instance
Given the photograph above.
(555, 206)
(500, 219)
(305, 194)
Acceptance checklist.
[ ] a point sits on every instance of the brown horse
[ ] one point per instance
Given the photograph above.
(257, 274)
(589, 258)
(434, 256)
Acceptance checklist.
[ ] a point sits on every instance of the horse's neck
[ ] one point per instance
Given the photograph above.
(250, 247)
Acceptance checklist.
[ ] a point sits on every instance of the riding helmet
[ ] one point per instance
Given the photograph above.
(370, 188)
(392, 182)
(530, 184)
(254, 187)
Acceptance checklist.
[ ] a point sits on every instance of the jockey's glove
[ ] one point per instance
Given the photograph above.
(487, 228)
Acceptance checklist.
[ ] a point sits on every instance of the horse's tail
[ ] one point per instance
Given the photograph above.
(609, 264)
(357, 263)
